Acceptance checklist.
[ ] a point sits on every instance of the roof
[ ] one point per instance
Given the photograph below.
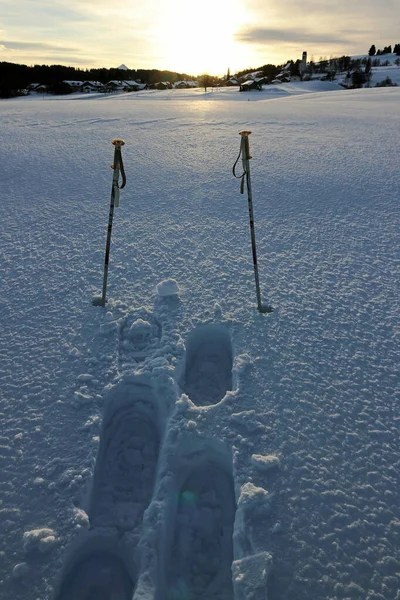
(185, 82)
(250, 82)
(93, 83)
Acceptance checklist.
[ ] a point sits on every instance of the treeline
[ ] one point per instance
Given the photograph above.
(386, 50)
(15, 77)
(269, 71)
(323, 66)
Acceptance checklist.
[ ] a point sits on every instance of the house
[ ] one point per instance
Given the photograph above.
(131, 86)
(282, 77)
(231, 82)
(184, 84)
(252, 84)
(75, 86)
(92, 86)
(114, 86)
(124, 86)
(255, 75)
(37, 88)
(162, 85)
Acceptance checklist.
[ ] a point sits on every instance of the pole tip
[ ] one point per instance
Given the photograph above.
(118, 142)
(98, 301)
(263, 308)
(244, 133)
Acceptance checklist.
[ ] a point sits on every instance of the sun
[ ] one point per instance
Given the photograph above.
(199, 38)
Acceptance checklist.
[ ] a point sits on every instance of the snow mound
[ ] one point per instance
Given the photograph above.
(39, 539)
(250, 576)
(20, 570)
(168, 287)
(265, 463)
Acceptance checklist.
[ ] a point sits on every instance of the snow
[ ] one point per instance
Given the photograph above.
(265, 463)
(169, 287)
(20, 570)
(41, 539)
(379, 74)
(180, 443)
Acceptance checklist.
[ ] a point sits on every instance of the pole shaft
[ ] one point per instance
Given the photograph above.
(115, 166)
(246, 165)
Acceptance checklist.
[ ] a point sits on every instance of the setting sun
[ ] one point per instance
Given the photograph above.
(200, 38)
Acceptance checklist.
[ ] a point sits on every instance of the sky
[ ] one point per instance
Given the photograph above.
(180, 36)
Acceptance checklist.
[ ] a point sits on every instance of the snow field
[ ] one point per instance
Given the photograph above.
(315, 384)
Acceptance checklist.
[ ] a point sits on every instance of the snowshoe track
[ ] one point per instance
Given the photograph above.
(208, 365)
(126, 463)
(140, 337)
(198, 549)
(99, 576)
(196, 523)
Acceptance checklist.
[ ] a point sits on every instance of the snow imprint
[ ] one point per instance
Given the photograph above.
(208, 367)
(126, 464)
(100, 576)
(197, 549)
(139, 338)
(202, 550)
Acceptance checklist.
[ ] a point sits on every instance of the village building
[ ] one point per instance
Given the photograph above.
(75, 86)
(184, 84)
(252, 84)
(92, 86)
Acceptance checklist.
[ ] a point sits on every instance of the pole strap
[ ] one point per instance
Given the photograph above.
(242, 176)
(118, 166)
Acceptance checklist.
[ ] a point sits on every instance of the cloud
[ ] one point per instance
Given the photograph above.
(319, 25)
(39, 46)
(40, 14)
(266, 36)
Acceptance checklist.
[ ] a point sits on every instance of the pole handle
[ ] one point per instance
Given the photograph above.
(118, 142)
(245, 136)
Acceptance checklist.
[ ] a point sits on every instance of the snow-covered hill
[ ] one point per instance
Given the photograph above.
(178, 444)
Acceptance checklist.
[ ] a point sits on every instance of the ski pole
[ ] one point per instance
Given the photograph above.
(118, 167)
(245, 154)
